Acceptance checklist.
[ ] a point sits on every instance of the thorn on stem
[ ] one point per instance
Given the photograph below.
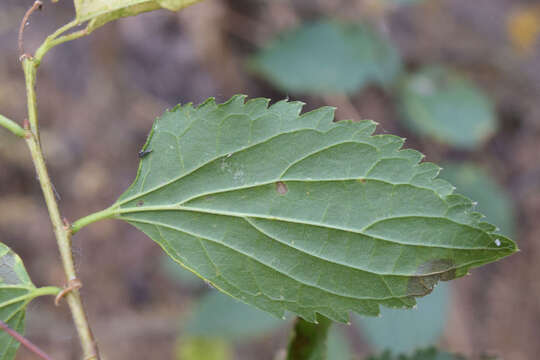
(74, 284)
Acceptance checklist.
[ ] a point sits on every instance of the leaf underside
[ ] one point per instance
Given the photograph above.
(297, 213)
(100, 12)
(15, 290)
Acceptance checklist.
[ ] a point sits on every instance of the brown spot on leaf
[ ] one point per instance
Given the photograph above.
(140, 203)
(429, 274)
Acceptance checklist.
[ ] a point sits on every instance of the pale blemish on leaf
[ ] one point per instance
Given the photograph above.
(281, 188)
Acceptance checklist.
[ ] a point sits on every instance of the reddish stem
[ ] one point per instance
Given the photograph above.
(24, 341)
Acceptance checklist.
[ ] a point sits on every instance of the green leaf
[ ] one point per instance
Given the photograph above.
(100, 12)
(309, 340)
(478, 184)
(220, 316)
(424, 354)
(405, 331)
(298, 213)
(441, 104)
(16, 291)
(328, 57)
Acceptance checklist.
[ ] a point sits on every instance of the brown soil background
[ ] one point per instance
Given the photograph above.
(99, 95)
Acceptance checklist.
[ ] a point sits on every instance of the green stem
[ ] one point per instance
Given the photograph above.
(87, 220)
(50, 43)
(309, 340)
(46, 290)
(62, 234)
(46, 46)
(30, 69)
(12, 126)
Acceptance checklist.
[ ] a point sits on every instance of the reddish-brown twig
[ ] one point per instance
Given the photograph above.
(37, 6)
(24, 341)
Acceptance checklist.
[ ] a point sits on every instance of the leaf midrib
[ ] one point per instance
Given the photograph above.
(318, 257)
(296, 221)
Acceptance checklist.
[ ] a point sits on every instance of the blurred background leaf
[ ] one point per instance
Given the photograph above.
(404, 2)
(219, 315)
(328, 57)
(440, 103)
(339, 346)
(476, 183)
(424, 354)
(403, 331)
(201, 348)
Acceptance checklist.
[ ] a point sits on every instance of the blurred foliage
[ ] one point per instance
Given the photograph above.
(442, 104)
(493, 201)
(219, 315)
(339, 346)
(424, 354)
(200, 348)
(403, 331)
(404, 2)
(328, 57)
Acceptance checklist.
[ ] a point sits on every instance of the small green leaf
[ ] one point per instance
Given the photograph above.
(425, 354)
(100, 12)
(478, 184)
(200, 348)
(291, 212)
(328, 57)
(220, 316)
(405, 331)
(16, 291)
(441, 104)
(309, 340)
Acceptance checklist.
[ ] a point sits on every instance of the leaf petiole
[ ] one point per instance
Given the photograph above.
(12, 126)
(89, 219)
